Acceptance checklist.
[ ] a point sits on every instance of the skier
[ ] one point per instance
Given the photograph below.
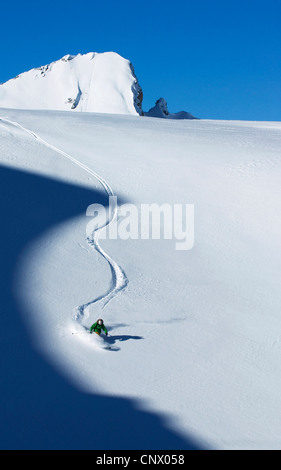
(98, 326)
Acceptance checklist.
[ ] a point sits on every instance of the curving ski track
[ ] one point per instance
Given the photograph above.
(119, 279)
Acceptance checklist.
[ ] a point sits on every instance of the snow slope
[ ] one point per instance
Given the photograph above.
(93, 82)
(196, 333)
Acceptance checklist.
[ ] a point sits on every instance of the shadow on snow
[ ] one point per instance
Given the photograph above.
(39, 409)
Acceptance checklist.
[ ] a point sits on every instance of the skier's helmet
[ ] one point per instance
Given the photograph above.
(100, 321)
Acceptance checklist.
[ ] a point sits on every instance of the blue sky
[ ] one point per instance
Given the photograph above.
(216, 59)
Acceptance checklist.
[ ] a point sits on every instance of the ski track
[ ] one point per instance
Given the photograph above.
(119, 279)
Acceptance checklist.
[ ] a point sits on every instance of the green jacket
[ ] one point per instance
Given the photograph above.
(97, 328)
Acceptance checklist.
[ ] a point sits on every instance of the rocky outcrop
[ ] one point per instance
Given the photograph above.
(160, 110)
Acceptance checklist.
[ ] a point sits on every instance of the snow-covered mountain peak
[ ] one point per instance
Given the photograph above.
(92, 82)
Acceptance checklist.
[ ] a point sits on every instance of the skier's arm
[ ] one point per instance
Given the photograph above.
(105, 330)
(93, 327)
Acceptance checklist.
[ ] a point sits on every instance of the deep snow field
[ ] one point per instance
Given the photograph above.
(195, 334)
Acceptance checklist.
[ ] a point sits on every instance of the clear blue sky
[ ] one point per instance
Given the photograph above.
(216, 59)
